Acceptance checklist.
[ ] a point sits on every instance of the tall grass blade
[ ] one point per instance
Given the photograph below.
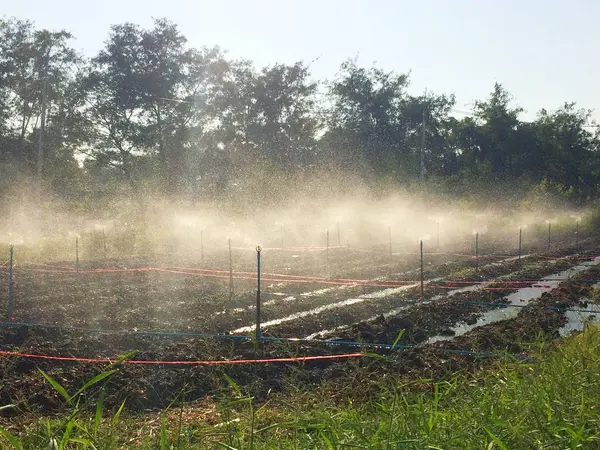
(163, 433)
(67, 434)
(57, 386)
(12, 440)
(99, 409)
(233, 384)
(400, 334)
(85, 442)
(115, 418)
(496, 440)
(93, 381)
(124, 357)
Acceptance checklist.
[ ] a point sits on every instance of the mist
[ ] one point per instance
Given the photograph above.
(336, 211)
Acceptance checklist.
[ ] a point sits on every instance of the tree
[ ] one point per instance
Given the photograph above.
(147, 99)
(37, 68)
(428, 114)
(367, 108)
(498, 124)
(268, 114)
(569, 152)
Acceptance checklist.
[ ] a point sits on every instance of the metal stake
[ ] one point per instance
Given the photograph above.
(476, 249)
(258, 332)
(520, 242)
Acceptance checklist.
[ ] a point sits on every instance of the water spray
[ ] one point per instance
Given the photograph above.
(422, 271)
(258, 332)
(338, 233)
(77, 254)
(202, 246)
(438, 236)
(476, 249)
(104, 240)
(327, 249)
(230, 271)
(549, 234)
(520, 241)
(390, 236)
(577, 220)
(11, 282)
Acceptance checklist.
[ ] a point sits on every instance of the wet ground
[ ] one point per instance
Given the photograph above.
(460, 297)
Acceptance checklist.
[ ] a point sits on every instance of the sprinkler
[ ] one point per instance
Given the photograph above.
(520, 241)
(577, 220)
(476, 248)
(258, 332)
(438, 222)
(549, 234)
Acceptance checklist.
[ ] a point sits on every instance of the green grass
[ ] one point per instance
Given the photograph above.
(551, 402)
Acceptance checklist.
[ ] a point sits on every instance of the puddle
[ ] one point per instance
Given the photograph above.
(518, 299)
(577, 318)
(350, 301)
(324, 333)
(323, 291)
(362, 298)
(299, 315)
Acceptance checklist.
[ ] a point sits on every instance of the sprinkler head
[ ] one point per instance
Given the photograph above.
(258, 249)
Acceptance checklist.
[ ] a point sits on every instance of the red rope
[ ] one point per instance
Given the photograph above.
(188, 363)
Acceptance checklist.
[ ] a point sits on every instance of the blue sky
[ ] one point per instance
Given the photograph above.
(543, 51)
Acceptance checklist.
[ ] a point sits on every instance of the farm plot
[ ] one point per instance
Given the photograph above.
(130, 295)
(171, 312)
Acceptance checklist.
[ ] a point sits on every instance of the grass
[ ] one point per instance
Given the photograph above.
(550, 402)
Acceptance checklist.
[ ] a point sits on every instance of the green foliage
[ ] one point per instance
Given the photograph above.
(151, 115)
(552, 401)
(74, 427)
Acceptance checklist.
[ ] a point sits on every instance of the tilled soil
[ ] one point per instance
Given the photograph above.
(155, 386)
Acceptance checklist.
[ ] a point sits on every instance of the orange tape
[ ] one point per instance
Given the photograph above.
(188, 363)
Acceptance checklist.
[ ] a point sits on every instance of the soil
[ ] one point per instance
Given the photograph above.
(168, 301)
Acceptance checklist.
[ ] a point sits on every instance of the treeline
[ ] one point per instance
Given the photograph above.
(152, 114)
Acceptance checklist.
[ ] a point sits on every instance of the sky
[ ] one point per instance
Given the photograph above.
(544, 52)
